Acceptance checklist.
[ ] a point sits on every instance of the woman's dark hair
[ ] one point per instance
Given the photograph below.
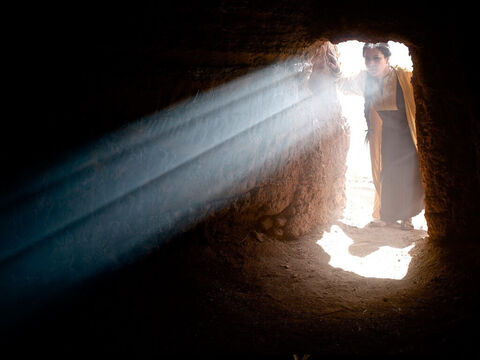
(382, 47)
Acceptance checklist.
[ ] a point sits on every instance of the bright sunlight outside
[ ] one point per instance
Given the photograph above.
(386, 262)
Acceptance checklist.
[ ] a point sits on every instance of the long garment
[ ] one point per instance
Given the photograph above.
(390, 115)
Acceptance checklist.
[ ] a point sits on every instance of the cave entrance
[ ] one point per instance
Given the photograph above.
(352, 244)
(359, 184)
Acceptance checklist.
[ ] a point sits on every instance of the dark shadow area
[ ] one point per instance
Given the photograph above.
(80, 74)
(151, 307)
(255, 299)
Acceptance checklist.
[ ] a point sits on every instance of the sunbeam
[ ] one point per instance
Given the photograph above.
(124, 162)
(124, 195)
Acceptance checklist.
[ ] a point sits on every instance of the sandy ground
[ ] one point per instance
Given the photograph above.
(286, 297)
(311, 296)
(249, 296)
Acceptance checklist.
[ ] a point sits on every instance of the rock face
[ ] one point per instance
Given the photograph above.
(265, 153)
(302, 185)
(129, 63)
(276, 170)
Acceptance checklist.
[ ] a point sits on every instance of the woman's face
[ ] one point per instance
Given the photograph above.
(376, 63)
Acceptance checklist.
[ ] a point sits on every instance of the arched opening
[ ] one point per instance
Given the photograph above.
(359, 184)
(382, 253)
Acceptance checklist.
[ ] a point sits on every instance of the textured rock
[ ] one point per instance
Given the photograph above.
(129, 63)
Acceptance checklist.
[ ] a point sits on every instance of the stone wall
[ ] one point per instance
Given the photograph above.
(303, 185)
(263, 153)
(92, 72)
(96, 71)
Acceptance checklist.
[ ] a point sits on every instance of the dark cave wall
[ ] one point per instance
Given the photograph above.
(448, 144)
(113, 205)
(111, 71)
(445, 89)
(99, 69)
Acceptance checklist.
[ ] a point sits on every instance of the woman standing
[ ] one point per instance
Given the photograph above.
(391, 133)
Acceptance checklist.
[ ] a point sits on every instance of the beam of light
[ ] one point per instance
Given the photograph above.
(125, 195)
(385, 263)
(161, 124)
(123, 160)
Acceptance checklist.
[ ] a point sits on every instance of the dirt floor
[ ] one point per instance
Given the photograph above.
(277, 297)
(250, 296)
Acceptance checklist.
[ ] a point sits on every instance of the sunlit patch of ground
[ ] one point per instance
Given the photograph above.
(386, 262)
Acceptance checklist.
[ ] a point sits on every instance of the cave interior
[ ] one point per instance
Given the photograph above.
(211, 284)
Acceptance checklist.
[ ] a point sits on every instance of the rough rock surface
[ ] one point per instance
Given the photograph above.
(87, 74)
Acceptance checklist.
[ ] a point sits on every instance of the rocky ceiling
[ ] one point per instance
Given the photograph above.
(86, 71)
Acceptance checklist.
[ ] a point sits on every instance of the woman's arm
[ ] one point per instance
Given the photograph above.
(325, 67)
